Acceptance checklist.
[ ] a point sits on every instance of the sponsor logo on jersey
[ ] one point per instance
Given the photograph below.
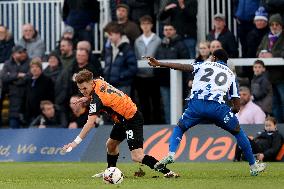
(93, 108)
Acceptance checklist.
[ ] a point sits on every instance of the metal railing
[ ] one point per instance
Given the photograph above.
(45, 15)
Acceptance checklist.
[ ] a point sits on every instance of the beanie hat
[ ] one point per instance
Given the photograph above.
(275, 18)
(261, 14)
(68, 29)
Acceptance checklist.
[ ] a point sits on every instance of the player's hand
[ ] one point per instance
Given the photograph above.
(69, 147)
(81, 100)
(152, 61)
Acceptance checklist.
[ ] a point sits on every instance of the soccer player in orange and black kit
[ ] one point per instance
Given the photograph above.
(128, 120)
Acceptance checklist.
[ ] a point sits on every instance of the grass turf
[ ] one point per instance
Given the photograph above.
(193, 175)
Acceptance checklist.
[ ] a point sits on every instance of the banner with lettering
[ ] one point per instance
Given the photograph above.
(201, 143)
(40, 144)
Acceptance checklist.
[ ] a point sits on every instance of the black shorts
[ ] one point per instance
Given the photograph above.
(131, 130)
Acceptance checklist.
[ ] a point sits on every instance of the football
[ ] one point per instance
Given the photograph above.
(113, 175)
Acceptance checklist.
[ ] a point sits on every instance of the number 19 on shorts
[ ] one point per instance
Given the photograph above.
(129, 134)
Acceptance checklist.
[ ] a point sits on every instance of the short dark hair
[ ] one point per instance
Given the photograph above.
(83, 76)
(169, 24)
(43, 103)
(221, 54)
(146, 18)
(113, 27)
(259, 62)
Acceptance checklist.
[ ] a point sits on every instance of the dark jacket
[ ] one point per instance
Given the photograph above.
(139, 8)
(81, 13)
(173, 48)
(37, 90)
(261, 89)
(227, 40)
(120, 70)
(274, 6)
(53, 74)
(184, 20)
(81, 120)
(277, 49)
(269, 143)
(16, 86)
(6, 49)
(57, 121)
(254, 38)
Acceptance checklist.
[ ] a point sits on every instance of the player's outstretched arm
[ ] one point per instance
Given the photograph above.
(177, 66)
(236, 105)
(85, 130)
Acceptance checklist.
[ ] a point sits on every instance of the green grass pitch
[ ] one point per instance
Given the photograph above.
(193, 175)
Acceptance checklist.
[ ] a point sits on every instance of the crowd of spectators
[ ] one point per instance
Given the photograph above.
(42, 97)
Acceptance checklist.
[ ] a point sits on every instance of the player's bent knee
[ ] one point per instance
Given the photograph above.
(182, 126)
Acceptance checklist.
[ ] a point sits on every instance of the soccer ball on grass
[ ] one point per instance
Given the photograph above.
(113, 175)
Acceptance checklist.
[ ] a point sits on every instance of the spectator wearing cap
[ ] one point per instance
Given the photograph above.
(39, 87)
(130, 28)
(6, 44)
(32, 42)
(113, 5)
(224, 35)
(244, 14)
(81, 15)
(272, 45)
(182, 15)
(255, 36)
(67, 34)
(14, 75)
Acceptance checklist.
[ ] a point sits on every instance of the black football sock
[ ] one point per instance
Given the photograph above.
(111, 160)
(150, 161)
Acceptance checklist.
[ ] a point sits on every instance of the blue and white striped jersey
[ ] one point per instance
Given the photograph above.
(212, 81)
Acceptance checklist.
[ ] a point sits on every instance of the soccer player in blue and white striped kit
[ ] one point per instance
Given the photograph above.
(212, 81)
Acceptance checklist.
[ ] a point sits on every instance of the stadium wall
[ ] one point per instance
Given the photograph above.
(203, 143)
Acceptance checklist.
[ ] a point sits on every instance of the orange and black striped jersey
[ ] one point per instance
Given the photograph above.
(106, 98)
